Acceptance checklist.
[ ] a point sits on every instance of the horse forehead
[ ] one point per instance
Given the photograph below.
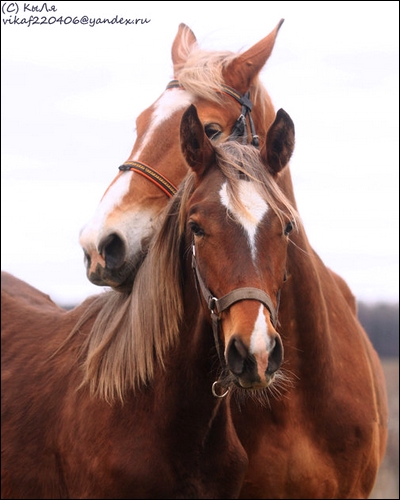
(169, 103)
(251, 212)
(254, 206)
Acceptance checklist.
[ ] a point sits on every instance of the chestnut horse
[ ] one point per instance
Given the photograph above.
(230, 99)
(128, 394)
(310, 441)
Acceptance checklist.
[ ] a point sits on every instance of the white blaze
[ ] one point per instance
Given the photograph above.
(92, 231)
(260, 341)
(255, 209)
(169, 103)
(135, 223)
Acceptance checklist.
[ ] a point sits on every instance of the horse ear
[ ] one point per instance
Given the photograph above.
(181, 47)
(196, 147)
(241, 71)
(279, 144)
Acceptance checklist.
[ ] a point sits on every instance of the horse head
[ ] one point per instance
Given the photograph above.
(230, 101)
(237, 224)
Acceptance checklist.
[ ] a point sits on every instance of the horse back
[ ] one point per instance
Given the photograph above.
(22, 291)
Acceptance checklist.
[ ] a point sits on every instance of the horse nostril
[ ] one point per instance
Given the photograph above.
(236, 356)
(275, 357)
(113, 250)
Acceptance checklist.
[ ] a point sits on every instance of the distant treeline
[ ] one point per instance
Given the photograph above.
(381, 321)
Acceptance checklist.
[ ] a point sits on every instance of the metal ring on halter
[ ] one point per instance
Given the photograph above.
(213, 305)
(215, 393)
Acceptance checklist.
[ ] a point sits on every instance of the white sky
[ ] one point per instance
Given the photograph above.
(71, 94)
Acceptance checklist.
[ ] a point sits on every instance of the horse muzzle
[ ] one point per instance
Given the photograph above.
(253, 370)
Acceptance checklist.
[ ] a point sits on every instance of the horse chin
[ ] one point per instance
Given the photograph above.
(125, 287)
(121, 279)
(252, 385)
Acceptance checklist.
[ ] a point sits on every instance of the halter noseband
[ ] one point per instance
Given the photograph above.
(216, 306)
(150, 173)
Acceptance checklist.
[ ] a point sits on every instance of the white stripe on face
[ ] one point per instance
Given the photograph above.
(260, 340)
(108, 203)
(135, 224)
(260, 343)
(255, 209)
(169, 103)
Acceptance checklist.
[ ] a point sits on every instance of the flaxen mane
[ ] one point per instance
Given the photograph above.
(202, 75)
(133, 332)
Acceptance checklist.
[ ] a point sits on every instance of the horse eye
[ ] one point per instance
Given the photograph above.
(212, 131)
(288, 228)
(196, 229)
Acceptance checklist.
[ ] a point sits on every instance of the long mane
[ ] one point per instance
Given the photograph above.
(132, 333)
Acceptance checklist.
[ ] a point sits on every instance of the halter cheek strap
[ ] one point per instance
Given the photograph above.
(239, 129)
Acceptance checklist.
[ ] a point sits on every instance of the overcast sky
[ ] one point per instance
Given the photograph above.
(71, 94)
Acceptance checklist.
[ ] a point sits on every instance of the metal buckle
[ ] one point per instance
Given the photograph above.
(213, 306)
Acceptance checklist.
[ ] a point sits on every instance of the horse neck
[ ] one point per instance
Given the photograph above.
(304, 310)
(190, 370)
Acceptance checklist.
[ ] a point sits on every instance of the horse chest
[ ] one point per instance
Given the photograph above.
(131, 454)
(289, 467)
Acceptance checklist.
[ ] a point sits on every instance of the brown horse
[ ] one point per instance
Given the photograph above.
(230, 100)
(310, 441)
(127, 395)
(313, 426)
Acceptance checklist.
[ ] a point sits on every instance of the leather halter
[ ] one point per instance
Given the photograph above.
(216, 306)
(238, 130)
